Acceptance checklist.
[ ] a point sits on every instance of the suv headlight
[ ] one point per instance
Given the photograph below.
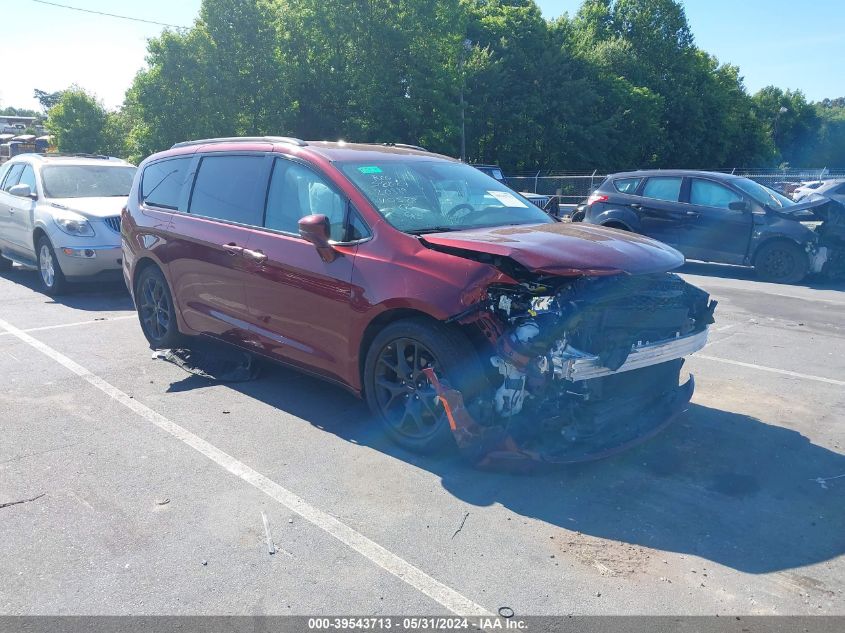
(74, 224)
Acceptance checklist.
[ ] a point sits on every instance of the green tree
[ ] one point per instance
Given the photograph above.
(791, 122)
(77, 121)
(47, 99)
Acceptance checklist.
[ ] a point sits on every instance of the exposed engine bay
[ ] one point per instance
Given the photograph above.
(579, 367)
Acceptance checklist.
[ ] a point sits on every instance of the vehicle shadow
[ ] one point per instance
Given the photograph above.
(719, 485)
(93, 296)
(741, 273)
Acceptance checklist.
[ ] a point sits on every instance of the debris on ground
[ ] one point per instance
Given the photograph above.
(271, 547)
(212, 361)
(162, 502)
(461, 526)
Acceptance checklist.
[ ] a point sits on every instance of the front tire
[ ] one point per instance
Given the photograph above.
(781, 262)
(156, 310)
(53, 280)
(398, 392)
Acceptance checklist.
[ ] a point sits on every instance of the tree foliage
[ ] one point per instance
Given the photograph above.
(621, 84)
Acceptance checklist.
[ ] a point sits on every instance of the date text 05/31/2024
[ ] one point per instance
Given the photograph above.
(415, 623)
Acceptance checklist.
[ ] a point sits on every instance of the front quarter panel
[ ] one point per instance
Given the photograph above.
(770, 226)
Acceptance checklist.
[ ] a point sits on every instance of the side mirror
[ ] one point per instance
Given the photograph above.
(23, 191)
(738, 205)
(317, 230)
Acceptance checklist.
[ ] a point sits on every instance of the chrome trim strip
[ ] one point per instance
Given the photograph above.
(588, 367)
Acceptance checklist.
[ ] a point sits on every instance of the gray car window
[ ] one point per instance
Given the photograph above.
(28, 178)
(666, 188)
(225, 189)
(707, 193)
(626, 185)
(162, 182)
(13, 176)
(296, 191)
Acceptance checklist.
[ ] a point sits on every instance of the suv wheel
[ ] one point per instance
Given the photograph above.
(781, 262)
(399, 393)
(155, 309)
(52, 279)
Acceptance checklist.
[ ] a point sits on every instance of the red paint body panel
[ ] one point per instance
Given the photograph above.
(565, 249)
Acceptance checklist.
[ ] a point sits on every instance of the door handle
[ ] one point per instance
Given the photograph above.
(256, 256)
(692, 214)
(233, 248)
(636, 207)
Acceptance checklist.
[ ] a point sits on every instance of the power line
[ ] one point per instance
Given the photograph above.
(110, 15)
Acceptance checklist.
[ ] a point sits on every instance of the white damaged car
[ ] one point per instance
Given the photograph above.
(60, 214)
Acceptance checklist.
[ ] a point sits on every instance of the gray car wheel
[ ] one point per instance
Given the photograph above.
(52, 279)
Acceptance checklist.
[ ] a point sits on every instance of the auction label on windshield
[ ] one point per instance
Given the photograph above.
(370, 169)
(507, 199)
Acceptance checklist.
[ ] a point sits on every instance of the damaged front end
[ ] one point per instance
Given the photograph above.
(579, 367)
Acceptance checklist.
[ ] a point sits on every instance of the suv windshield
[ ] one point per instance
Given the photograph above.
(763, 195)
(429, 196)
(86, 181)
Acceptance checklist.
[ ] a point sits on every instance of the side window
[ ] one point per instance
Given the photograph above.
(28, 178)
(296, 191)
(711, 194)
(663, 188)
(627, 185)
(225, 189)
(13, 176)
(161, 184)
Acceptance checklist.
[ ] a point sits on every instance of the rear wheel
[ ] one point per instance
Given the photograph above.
(156, 310)
(781, 262)
(52, 279)
(398, 391)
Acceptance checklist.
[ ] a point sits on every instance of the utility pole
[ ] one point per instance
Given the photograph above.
(467, 46)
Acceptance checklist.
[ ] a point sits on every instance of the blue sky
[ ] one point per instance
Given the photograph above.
(791, 44)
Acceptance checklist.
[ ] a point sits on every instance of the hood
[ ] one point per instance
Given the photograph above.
(92, 207)
(566, 248)
(815, 207)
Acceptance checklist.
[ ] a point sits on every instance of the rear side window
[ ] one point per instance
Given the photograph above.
(162, 182)
(225, 189)
(663, 188)
(296, 191)
(711, 194)
(13, 176)
(627, 185)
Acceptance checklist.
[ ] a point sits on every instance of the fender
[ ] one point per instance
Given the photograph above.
(625, 217)
(779, 228)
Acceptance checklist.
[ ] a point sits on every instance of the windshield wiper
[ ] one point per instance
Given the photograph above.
(435, 229)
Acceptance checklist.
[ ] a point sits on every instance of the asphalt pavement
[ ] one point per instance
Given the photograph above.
(141, 488)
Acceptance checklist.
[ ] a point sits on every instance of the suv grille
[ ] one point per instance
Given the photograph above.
(113, 222)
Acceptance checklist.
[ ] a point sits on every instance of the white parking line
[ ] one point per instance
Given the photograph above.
(405, 571)
(783, 372)
(74, 324)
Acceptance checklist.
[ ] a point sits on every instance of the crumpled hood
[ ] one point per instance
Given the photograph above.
(92, 207)
(815, 206)
(566, 248)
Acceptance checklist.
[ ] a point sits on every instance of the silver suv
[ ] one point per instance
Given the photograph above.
(61, 215)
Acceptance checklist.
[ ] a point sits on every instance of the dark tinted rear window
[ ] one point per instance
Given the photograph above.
(162, 182)
(626, 185)
(225, 189)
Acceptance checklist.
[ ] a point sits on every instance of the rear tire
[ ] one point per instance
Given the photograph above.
(156, 310)
(781, 262)
(52, 278)
(401, 396)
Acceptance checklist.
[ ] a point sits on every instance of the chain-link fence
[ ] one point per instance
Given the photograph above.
(571, 187)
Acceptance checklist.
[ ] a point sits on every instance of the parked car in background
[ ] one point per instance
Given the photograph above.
(494, 171)
(806, 187)
(717, 217)
(61, 215)
(457, 308)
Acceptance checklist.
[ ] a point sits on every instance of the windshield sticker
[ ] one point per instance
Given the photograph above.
(507, 199)
(370, 169)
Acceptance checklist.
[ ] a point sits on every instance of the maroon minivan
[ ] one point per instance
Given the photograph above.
(457, 308)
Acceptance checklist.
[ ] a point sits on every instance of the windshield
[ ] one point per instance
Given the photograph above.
(86, 181)
(763, 195)
(432, 196)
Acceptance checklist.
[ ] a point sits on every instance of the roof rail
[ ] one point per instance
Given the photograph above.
(70, 155)
(243, 139)
(403, 146)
